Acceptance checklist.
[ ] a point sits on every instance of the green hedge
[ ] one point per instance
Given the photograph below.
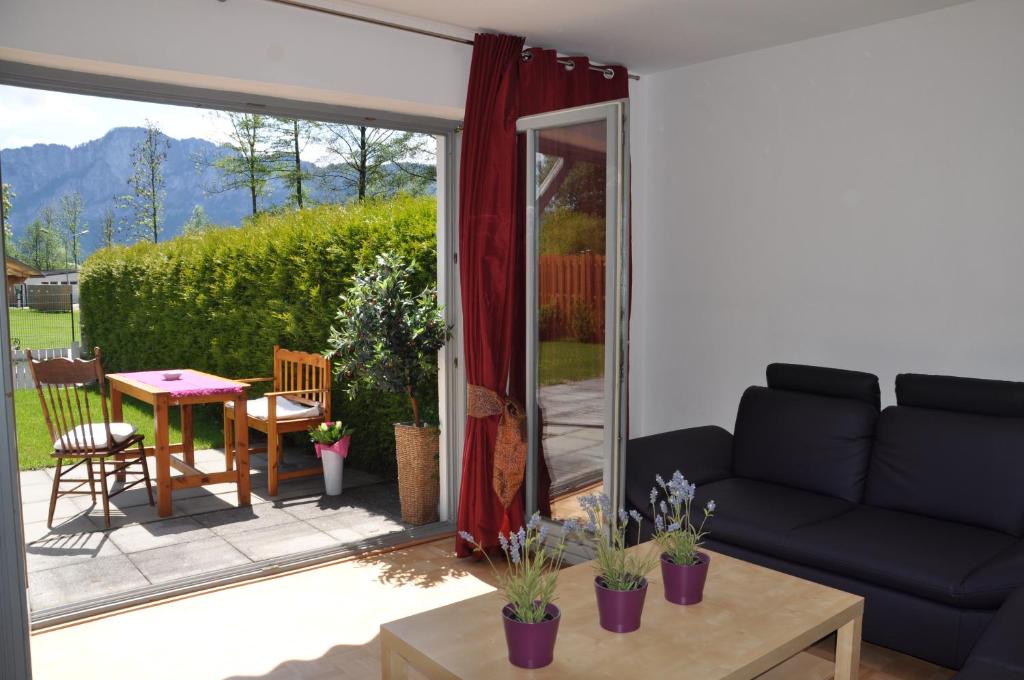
(220, 300)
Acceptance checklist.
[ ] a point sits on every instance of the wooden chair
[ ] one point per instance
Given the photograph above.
(65, 393)
(300, 399)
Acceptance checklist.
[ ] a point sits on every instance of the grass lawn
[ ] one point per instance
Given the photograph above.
(43, 330)
(563, 361)
(35, 445)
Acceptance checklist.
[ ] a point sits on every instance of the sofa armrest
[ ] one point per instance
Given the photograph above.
(1000, 651)
(702, 454)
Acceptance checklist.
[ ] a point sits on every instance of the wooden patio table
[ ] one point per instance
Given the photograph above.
(752, 623)
(193, 387)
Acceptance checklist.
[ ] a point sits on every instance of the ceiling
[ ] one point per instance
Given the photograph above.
(654, 35)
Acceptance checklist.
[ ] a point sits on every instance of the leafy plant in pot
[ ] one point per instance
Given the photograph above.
(684, 568)
(530, 617)
(331, 441)
(621, 581)
(386, 338)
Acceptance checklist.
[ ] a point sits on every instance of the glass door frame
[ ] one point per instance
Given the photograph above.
(617, 277)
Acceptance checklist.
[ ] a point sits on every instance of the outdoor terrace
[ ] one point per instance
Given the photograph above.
(78, 562)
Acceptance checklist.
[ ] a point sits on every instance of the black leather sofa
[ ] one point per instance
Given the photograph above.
(918, 507)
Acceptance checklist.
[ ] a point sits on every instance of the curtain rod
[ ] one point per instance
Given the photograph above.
(412, 29)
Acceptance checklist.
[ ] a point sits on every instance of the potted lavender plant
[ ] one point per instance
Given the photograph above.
(621, 583)
(331, 441)
(684, 568)
(530, 616)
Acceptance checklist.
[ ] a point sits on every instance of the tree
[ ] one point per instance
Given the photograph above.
(291, 135)
(250, 159)
(71, 223)
(146, 198)
(109, 228)
(41, 247)
(6, 196)
(374, 161)
(197, 222)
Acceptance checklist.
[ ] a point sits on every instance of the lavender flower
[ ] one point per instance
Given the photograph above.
(636, 516)
(623, 517)
(711, 506)
(467, 537)
(503, 542)
(659, 523)
(534, 522)
(572, 526)
(660, 481)
(654, 496)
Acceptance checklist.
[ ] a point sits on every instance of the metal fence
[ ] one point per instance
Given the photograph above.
(44, 317)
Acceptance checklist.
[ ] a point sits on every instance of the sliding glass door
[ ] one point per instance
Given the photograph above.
(577, 304)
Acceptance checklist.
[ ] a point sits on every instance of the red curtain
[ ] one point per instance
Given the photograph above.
(503, 86)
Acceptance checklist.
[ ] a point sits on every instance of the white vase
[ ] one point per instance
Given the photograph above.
(333, 458)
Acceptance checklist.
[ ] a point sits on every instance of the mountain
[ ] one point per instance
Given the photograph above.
(99, 171)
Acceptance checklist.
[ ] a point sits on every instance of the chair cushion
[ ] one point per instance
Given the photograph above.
(807, 441)
(94, 436)
(960, 467)
(991, 583)
(286, 409)
(927, 557)
(758, 515)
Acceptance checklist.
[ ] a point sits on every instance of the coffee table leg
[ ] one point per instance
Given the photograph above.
(848, 650)
(393, 665)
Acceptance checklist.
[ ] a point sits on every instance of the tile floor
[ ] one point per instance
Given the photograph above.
(78, 561)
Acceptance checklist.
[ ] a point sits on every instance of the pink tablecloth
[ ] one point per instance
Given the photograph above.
(191, 383)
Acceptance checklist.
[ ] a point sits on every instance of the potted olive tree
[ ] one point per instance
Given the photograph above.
(386, 338)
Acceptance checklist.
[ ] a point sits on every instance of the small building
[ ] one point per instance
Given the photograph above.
(18, 273)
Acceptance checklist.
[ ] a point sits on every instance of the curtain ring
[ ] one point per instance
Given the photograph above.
(527, 55)
(608, 73)
(569, 65)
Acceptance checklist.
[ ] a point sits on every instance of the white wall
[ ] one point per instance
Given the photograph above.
(855, 200)
(247, 46)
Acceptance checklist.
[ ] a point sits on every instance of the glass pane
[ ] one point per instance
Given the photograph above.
(571, 168)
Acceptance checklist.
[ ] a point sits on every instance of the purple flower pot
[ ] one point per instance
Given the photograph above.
(531, 645)
(619, 610)
(684, 584)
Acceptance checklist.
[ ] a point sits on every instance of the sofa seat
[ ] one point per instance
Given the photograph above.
(758, 515)
(927, 557)
(999, 655)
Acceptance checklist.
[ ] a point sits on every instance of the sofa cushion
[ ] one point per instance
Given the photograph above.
(807, 441)
(827, 382)
(758, 515)
(991, 583)
(1000, 651)
(960, 467)
(926, 557)
(963, 395)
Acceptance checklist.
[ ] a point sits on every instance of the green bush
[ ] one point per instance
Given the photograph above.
(567, 232)
(219, 300)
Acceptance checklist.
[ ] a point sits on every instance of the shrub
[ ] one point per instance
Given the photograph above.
(219, 300)
(567, 232)
(583, 325)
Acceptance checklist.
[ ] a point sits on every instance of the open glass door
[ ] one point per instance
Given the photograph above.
(577, 278)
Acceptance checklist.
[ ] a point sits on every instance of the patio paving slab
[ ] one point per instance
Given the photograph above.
(84, 581)
(35, 478)
(244, 519)
(58, 550)
(139, 537)
(182, 560)
(279, 541)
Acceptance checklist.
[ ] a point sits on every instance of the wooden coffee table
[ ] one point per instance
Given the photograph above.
(753, 623)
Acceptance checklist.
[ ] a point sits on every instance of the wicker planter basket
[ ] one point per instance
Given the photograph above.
(418, 476)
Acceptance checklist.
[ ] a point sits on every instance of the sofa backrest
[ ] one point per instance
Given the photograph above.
(811, 429)
(953, 449)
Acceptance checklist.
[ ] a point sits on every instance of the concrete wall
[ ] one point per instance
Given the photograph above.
(855, 200)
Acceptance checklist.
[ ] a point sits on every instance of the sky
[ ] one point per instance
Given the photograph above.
(30, 116)
(42, 117)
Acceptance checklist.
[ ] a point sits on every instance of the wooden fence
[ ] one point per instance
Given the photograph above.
(22, 375)
(571, 296)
